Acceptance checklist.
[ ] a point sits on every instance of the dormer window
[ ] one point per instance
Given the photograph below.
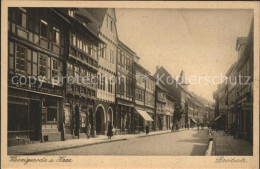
(71, 12)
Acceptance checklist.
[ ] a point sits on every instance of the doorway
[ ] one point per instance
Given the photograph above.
(100, 121)
(35, 120)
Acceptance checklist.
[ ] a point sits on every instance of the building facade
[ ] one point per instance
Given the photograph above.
(141, 117)
(234, 97)
(36, 59)
(150, 100)
(125, 89)
(161, 100)
(81, 74)
(105, 105)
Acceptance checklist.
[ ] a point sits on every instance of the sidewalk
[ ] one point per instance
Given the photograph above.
(39, 148)
(226, 145)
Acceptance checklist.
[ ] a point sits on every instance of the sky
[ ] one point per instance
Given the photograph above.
(199, 42)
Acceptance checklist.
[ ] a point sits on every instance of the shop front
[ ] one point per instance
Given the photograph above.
(143, 119)
(33, 116)
(125, 113)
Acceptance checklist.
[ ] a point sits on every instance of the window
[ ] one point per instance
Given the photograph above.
(44, 29)
(122, 59)
(20, 59)
(51, 114)
(107, 21)
(73, 40)
(99, 81)
(79, 43)
(54, 68)
(76, 72)
(131, 87)
(118, 57)
(103, 83)
(127, 61)
(111, 59)
(42, 65)
(93, 53)
(11, 55)
(110, 86)
(34, 63)
(71, 12)
(29, 62)
(56, 36)
(21, 16)
(131, 63)
(111, 25)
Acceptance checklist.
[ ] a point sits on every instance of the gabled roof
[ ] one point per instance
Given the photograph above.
(98, 13)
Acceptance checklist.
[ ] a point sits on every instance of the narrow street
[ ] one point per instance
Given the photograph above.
(187, 142)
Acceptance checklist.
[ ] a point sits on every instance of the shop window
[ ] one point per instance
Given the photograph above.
(44, 29)
(51, 114)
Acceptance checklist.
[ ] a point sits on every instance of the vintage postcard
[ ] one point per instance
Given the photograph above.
(89, 84)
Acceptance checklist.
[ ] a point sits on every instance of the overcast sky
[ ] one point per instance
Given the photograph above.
(199, 42)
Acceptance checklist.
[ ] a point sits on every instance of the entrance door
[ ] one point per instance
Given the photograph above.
(35, 120)
(99, 121)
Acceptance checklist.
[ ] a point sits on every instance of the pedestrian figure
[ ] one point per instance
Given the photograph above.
(110, 130)
(181, 126)
(88, 130)
(147, 129)
(177, 127)
(198, 126)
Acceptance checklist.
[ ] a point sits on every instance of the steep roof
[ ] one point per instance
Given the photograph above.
(241, 41)
(98, 13)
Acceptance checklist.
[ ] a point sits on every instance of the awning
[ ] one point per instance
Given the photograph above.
(194, 121)
(217, 118)
(145, 115)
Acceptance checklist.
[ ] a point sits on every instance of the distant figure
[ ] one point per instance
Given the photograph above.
(177, 127)
(110, 130)
(182, 126)
(147, 129)
(88, 130)
(198, 126)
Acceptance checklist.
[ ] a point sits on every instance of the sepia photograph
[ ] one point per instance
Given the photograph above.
(113, 81)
